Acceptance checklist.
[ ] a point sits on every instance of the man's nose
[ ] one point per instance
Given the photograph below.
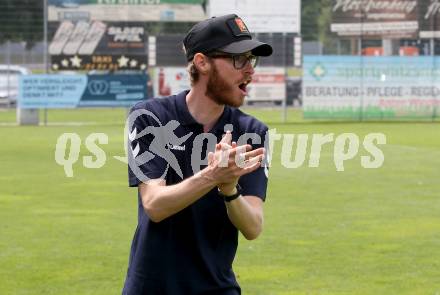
(249, 69)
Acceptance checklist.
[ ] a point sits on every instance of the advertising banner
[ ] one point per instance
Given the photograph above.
(350, 87)
(429, 18)
(375, 18)
(261, 16)
(126, 10)
(98, 46)
(86, 38)
(268, 83)
(98, 62)
(170, 80)
(71, 91)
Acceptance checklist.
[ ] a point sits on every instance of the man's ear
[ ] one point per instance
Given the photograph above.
(202, 63)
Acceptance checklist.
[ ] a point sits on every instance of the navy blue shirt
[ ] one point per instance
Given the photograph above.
(190, 252)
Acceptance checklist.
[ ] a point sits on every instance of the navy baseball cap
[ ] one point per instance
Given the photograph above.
(226, 33)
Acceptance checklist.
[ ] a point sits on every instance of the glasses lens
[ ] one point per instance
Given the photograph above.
(240, 61)
(253, 60)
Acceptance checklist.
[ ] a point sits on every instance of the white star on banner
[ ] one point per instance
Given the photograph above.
(55, 67)
(76, 61)
(133, 63)
(123, 61)
(65, 63)
(143, 66)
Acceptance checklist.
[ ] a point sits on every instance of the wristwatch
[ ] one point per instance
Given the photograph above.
(231, 197)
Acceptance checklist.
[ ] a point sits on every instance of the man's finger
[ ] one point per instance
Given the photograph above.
(240, 160)
(245, 160)
(254, 153)
(223, 146)
(242, 157)
(253, 160)
(227, 138)
(251, 165)
(240, 149)
(210, 158)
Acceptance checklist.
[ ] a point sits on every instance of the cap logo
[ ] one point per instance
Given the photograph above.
(241, 26)
(238, 28)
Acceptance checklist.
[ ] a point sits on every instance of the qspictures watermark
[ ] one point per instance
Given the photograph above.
(297, 150)
(346, 147)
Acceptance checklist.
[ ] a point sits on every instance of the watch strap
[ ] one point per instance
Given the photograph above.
(229, 198)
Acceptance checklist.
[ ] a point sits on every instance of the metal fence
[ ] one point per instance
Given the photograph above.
(361, 29)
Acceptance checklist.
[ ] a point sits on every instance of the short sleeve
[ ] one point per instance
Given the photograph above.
(143, 164)
(255, 183)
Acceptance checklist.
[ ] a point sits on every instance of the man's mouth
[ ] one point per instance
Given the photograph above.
(243, 86)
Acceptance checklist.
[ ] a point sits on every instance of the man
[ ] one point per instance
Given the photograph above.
(190, 210)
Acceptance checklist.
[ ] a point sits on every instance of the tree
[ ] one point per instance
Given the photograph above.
(316, 17)
(310, 11)
(21, 20)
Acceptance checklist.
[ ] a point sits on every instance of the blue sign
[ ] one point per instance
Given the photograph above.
(72, 91)
(362, 87)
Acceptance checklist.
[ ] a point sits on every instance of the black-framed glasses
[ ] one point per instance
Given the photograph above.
(239, 60)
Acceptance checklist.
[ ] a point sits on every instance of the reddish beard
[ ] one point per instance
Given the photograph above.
(220, 91)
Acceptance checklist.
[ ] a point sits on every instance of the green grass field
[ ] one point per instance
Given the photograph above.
(361, 231)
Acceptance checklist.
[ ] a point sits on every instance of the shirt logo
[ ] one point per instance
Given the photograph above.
(164, 140)
(176, 147)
